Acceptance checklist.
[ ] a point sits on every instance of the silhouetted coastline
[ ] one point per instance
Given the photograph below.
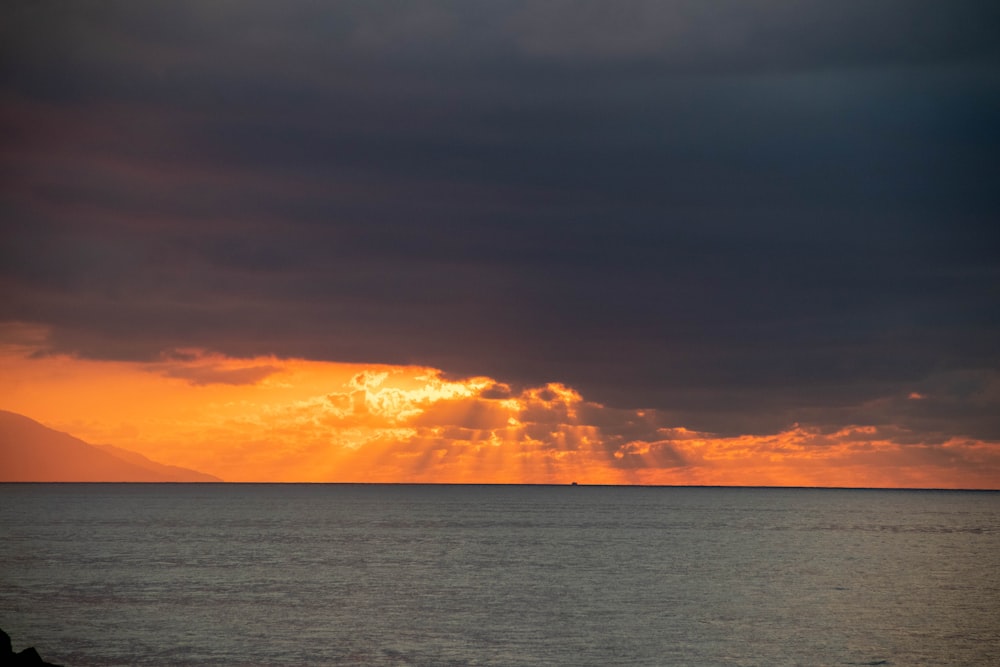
(28, 656)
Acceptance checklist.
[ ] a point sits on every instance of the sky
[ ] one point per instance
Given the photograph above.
(677, 242)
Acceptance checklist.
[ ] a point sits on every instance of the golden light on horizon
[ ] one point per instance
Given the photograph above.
(292, 420)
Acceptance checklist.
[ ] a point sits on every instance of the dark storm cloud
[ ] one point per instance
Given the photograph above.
(744, 214)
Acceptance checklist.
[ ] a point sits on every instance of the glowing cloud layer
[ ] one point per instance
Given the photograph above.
(270, 419)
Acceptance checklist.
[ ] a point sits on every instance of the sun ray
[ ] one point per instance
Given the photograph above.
(273, 419)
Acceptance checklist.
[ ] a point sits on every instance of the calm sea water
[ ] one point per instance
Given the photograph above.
(124, 574)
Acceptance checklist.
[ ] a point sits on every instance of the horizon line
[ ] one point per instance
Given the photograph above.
(512, 484)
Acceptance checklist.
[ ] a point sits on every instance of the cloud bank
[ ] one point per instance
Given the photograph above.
(746, 217)
(308, 421)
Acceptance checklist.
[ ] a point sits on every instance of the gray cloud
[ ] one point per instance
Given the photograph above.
(213, 374)
(743, 214)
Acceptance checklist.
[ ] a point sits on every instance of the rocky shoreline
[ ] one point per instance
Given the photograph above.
(28, 656)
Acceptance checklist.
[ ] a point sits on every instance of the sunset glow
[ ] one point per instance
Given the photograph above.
(291, 420)
(659, 243)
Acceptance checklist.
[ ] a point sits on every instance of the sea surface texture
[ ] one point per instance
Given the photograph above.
(206, 574)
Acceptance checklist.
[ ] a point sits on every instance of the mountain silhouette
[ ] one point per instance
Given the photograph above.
(31, 452)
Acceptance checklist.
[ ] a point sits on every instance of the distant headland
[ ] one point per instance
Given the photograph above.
(32, 452)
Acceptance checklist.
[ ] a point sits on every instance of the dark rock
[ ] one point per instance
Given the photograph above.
(28, 656)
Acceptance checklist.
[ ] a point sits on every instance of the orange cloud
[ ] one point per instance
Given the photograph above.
(271, 419)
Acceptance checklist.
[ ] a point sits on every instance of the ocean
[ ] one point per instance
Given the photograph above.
(244, 574)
